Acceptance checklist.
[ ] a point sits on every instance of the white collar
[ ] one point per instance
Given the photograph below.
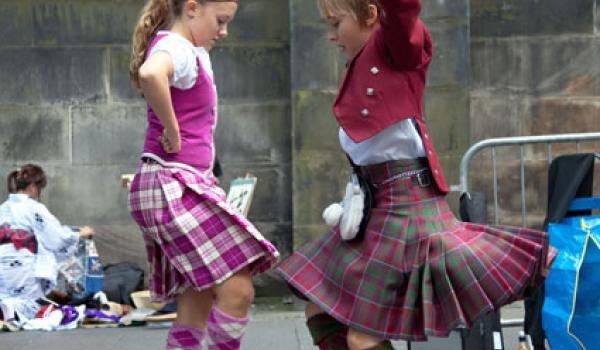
(18, 197)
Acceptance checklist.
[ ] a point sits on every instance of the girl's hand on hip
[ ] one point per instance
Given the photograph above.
(171, 141)
(86, 232)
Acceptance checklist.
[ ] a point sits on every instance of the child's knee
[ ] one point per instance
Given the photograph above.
(245, 295)
(236, 294)
(358, 340)
(311, 310)
(354, 340)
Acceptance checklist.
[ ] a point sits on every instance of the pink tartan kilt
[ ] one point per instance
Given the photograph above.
(418, 271)
(193, 238)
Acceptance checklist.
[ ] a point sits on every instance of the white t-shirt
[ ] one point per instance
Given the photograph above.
(184, 56)
(399, 141)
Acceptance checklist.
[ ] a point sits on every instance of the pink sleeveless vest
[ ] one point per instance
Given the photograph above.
(195, 109)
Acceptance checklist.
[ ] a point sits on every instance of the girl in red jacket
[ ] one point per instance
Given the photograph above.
(416, 271)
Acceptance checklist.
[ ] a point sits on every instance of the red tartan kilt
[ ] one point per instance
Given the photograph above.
(418, 271)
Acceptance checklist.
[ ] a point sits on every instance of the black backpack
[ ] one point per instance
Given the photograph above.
(122, 279)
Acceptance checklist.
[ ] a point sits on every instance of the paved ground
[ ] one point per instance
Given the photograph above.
(269, 330)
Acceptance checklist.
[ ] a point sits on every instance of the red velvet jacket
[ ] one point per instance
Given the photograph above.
(384, 83)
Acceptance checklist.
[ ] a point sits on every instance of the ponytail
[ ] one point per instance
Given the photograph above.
(11, 181)
(21, 178)
(156, 15)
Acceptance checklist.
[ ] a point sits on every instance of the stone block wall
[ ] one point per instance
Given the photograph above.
(535, 71)
(66, 105)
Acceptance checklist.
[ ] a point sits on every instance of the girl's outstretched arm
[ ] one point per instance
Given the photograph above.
(404, 35)
(49, 231)
(155, 74)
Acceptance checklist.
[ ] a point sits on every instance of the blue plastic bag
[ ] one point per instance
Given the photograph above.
(571, 311)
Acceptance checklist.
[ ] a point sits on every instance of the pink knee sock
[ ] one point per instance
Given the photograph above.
(225, 331)
(185, 338)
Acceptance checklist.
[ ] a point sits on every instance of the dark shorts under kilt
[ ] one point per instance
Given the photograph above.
(418, 271)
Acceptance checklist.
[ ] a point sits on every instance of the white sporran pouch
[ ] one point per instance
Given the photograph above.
(349, 212)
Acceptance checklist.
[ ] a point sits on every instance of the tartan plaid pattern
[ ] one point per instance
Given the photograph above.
(225, 331)
(185, 338)
(193, 237)
(419, 271)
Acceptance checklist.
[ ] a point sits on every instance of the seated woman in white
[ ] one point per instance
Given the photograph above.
(32, 244)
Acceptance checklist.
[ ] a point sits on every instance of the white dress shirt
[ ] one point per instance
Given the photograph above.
(399, 141)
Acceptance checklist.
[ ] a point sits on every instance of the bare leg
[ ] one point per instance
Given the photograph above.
(311, 310)
(236, 294)
(189, 329)
(229, 316)
(361, 341)
(193, 308)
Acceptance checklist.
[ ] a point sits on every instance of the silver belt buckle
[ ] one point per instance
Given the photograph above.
(423, 179)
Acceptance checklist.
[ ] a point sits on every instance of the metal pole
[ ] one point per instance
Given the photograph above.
(522, 165)
(495, 179)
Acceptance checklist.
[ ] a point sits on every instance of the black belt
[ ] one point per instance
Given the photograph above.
(421, 177)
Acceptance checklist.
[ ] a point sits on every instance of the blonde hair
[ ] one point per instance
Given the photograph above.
(358, 9)
(156, 15)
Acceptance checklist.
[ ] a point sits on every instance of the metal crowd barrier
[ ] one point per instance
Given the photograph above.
(523, 141)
